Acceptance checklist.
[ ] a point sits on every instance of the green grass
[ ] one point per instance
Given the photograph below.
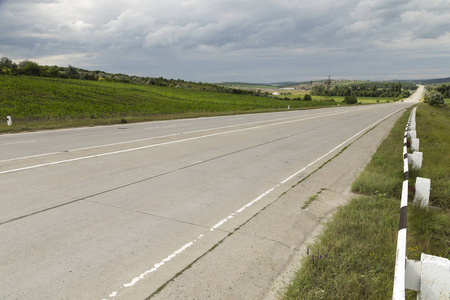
(313, 198)
(354, 258)
(433, 131)
(384, 173)
(37, 102)
(251, 86)
(364, 100)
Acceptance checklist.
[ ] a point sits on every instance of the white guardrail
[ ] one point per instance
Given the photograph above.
(430, 276)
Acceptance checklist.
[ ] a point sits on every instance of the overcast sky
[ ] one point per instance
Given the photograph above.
(233, 40)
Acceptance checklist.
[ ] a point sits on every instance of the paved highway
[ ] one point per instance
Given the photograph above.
(116, 212)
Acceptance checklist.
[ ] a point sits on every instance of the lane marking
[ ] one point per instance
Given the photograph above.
(31, 156)
(15, 143)
(161, 263)
(159, 127)
(220, 223)
(149, 139)
(165, 143)
(122, 143)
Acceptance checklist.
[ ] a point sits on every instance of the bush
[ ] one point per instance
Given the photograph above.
(434, 98)
(307, 97)
(350, 99)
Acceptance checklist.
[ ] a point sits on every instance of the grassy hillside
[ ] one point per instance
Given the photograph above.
(38, 102)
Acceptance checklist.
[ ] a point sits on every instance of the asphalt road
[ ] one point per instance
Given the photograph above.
(116, 212)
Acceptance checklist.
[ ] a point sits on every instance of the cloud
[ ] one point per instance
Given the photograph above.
(200, 39)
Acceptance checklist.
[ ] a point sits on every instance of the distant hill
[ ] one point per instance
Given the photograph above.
(293, 83)
(263, 85)
(433, 81)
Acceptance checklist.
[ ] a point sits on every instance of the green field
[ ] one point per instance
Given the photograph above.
(38, 102)
(364, 100)
(354, 258)
(250, 86)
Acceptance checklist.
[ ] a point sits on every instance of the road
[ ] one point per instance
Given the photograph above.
(117, 212)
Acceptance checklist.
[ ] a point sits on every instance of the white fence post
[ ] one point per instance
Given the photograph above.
(422, 195)
(8, 120)
(430, 276)
(414, 144)
(415, 160)
(412, 134)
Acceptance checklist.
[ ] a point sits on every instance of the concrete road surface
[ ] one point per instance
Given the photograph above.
(205, 208)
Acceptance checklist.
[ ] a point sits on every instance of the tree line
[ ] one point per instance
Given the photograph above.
(30, 68)
(435, 95)
(372, 89)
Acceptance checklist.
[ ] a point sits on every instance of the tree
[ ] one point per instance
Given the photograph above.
(350, 99)
(72, 72)
(444, 89)
(434, 98)
(6, 62)
(307, 97)
(6, 71)
(405, 94)
(52, 71)
(27, 67)
(318, 90)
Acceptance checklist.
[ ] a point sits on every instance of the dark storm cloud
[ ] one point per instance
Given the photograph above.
(266, 40)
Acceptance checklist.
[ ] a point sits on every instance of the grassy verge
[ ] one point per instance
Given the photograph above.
(354, 258)
(45, 103)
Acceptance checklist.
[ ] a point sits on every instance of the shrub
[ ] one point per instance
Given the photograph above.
(350, 99)
(307, 97)
(434, 98)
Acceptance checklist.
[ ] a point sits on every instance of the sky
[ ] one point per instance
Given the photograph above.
(257, 41)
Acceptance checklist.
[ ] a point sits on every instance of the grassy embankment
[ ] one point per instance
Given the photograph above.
(354, 258)
(44, 103)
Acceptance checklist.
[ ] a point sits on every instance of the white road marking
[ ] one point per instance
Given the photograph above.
(122, 143)
(159, 127)
(146, 139)
(161, 263)
(220, 223)
(15, 143)
(164, 143)
(31, 156)
(338, 146)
